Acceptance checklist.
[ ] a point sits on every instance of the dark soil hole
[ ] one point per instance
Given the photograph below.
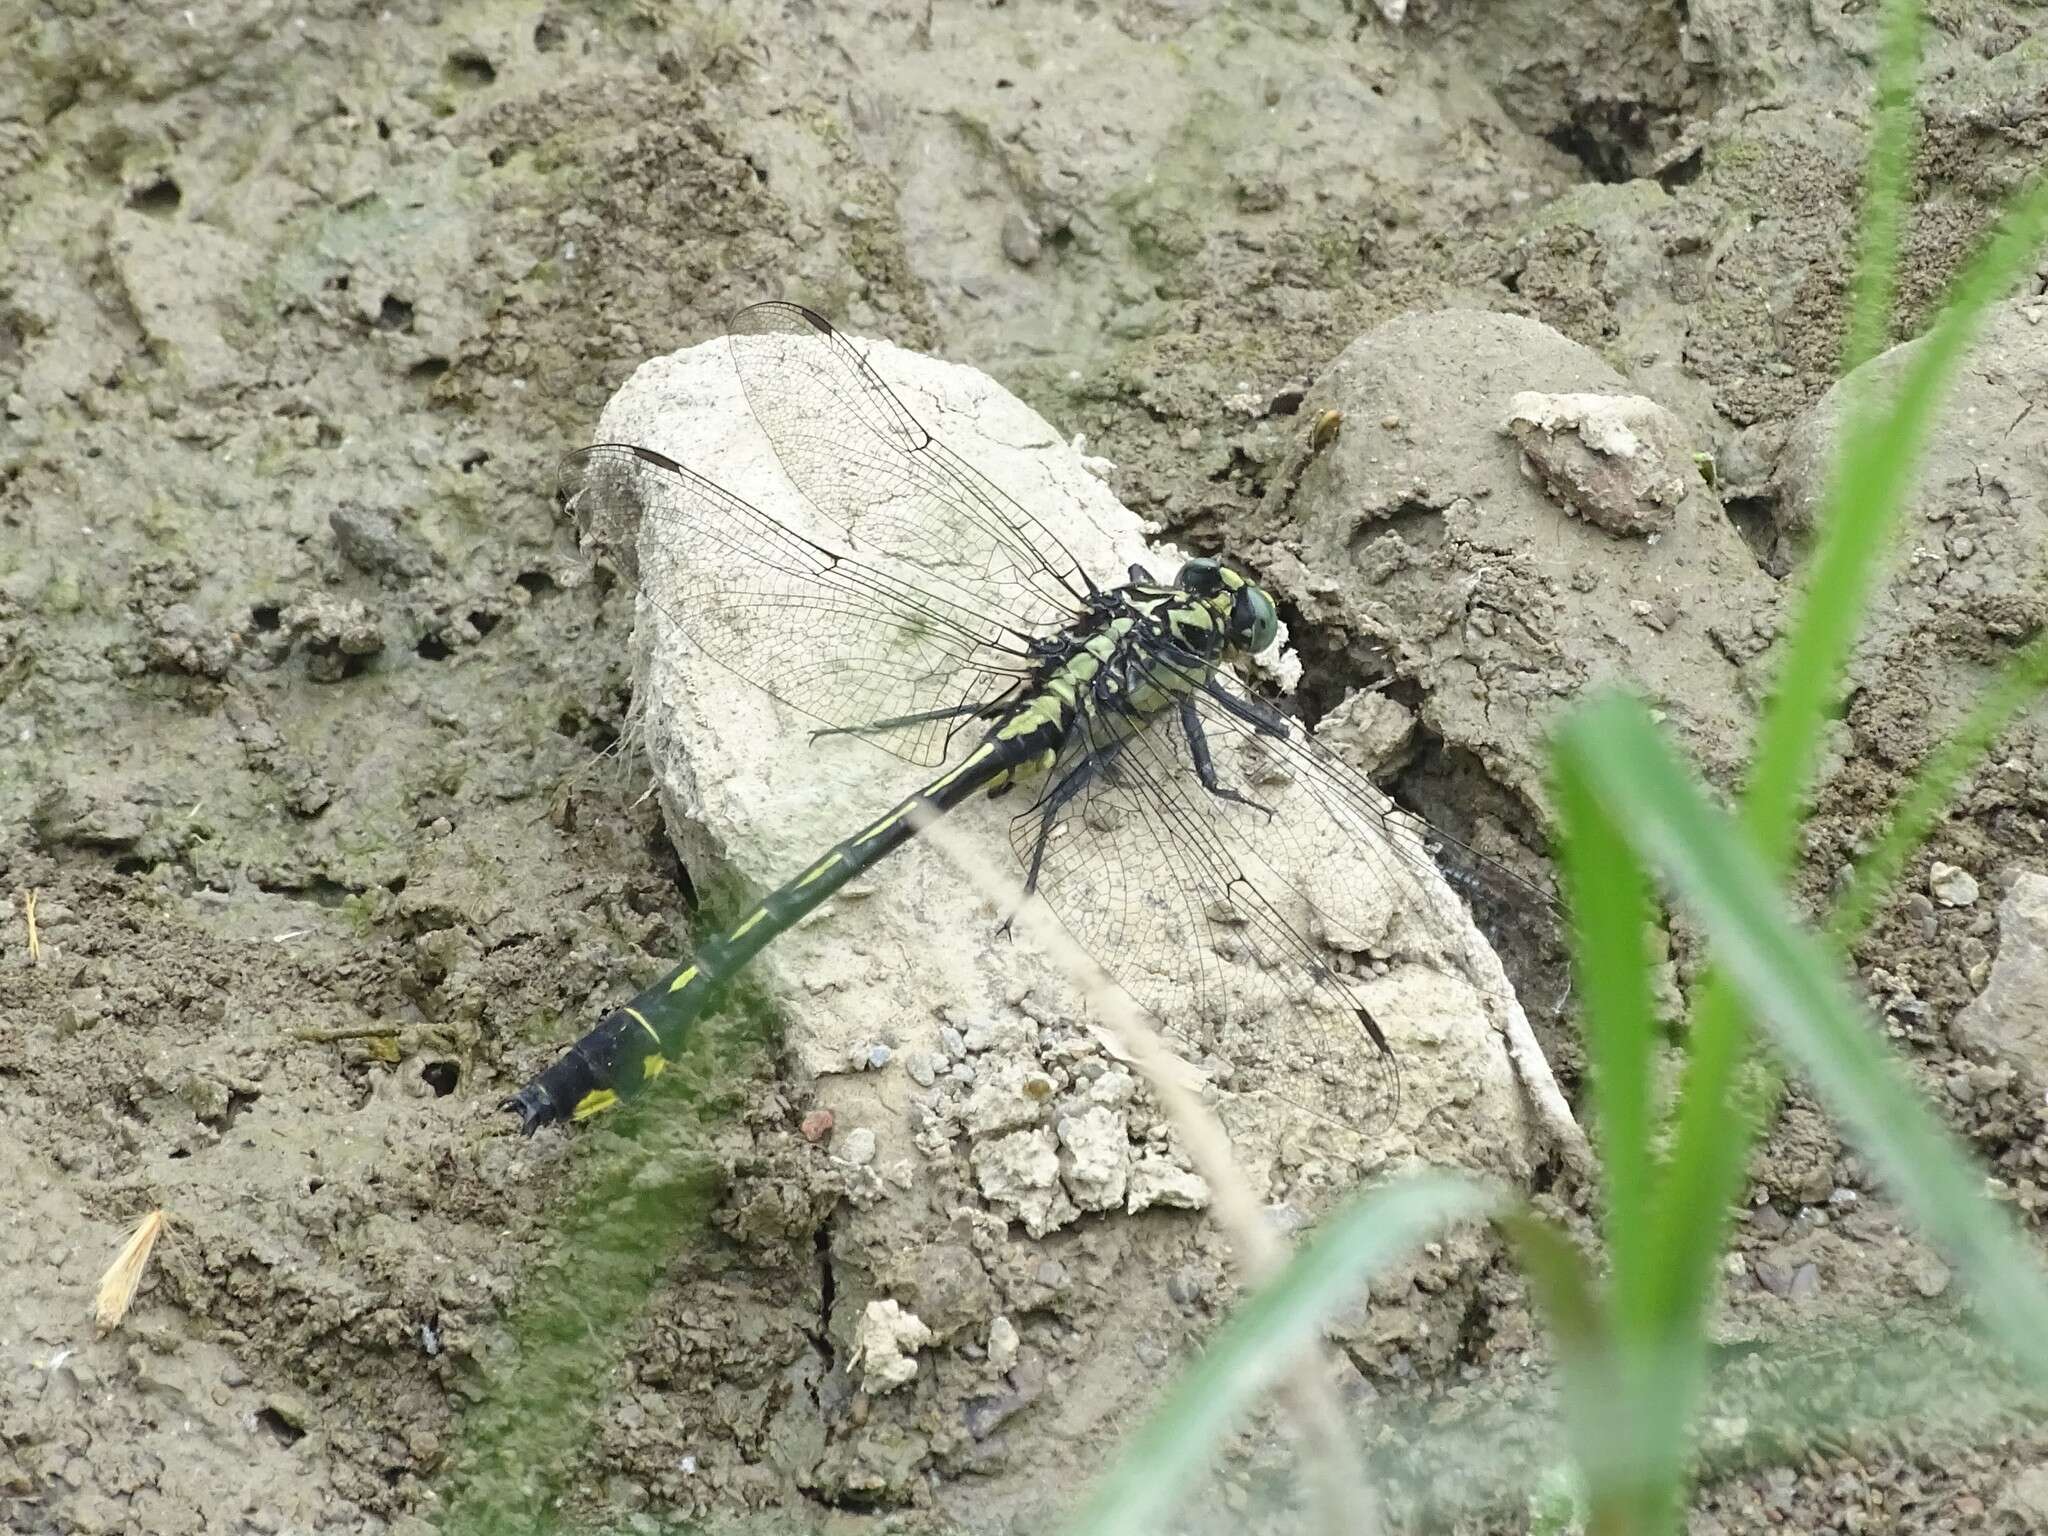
(1754, 518)
(536, 583)
(394, 314)
(427, 369)
(161, 197)
(266, 616)
(1683, 171)
(433, 648)
(133, 865)
(548, 35)
(1286, 403)
(441, 1076)
(383, 129)
(237, 1102)
(1604, 137)
(470, 69)
(483, 623)
(181, 1152)
(474, 460)
(287, 1433)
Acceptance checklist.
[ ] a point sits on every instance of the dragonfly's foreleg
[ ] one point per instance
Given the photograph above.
(1205, 765)
(1262, 718)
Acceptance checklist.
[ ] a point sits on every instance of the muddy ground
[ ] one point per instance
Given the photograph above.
(301, 678)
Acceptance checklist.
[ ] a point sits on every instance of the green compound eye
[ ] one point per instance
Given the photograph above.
(1254, 622)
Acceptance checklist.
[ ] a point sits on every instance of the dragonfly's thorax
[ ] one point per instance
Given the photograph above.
(1136, 651)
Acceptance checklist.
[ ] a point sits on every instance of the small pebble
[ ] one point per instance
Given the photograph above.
(858, 1148)
(878, 1057)
(817, 1125)
(1952, 887)
(1021, 240)
(1929, 1275)
(1002, 1343)
(923, 1071)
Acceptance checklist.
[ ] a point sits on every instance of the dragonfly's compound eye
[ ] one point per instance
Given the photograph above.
(1201, 577)
(1254, 622)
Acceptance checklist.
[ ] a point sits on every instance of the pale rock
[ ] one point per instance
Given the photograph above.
(1095, 1155)
(2008, 1021)
(1950, 886)
(1159, 1180)
(1619, 461)
(1002, 1343)
(1020, 1174)
(1004, 1099)
(885, 1343)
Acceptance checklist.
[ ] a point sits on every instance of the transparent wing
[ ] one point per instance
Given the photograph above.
(1237, 925)
(847, 641)
(863, 460)
(1181, 901)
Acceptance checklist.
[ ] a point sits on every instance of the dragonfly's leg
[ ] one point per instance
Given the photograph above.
(1205, 765)
(876, 727)
(1262, 718)
(1076, 780)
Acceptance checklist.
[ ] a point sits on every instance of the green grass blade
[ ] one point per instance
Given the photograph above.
(1630, 1483)
(1609, 901)
(1788, 977)
(1711, 1143)
(1159, 1462)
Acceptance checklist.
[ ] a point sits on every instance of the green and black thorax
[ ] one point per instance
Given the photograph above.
(1136, 651)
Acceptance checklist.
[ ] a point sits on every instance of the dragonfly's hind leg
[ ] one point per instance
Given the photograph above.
(1205, 765)
(899, 722)
(1090, 767)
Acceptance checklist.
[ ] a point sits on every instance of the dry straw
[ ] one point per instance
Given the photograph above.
(117, 1285)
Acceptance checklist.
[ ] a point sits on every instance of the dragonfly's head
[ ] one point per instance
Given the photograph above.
(1243, 608)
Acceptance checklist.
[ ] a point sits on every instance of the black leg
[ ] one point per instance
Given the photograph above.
(1092, 766)
(1265, 720)
(923, 717)
(1205, 766)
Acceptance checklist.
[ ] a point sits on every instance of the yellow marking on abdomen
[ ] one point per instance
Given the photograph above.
(593, 1104)
(751, 923)
(683, 979)
(639, 1018)
(822, 865)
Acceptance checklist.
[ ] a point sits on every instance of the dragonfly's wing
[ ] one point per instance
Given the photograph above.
(847, 641)
(1190, 903)
(850, 446)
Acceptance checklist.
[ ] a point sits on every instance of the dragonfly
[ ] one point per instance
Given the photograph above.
(1166, 811)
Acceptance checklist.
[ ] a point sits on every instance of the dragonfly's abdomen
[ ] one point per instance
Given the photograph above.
(633, 1045)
